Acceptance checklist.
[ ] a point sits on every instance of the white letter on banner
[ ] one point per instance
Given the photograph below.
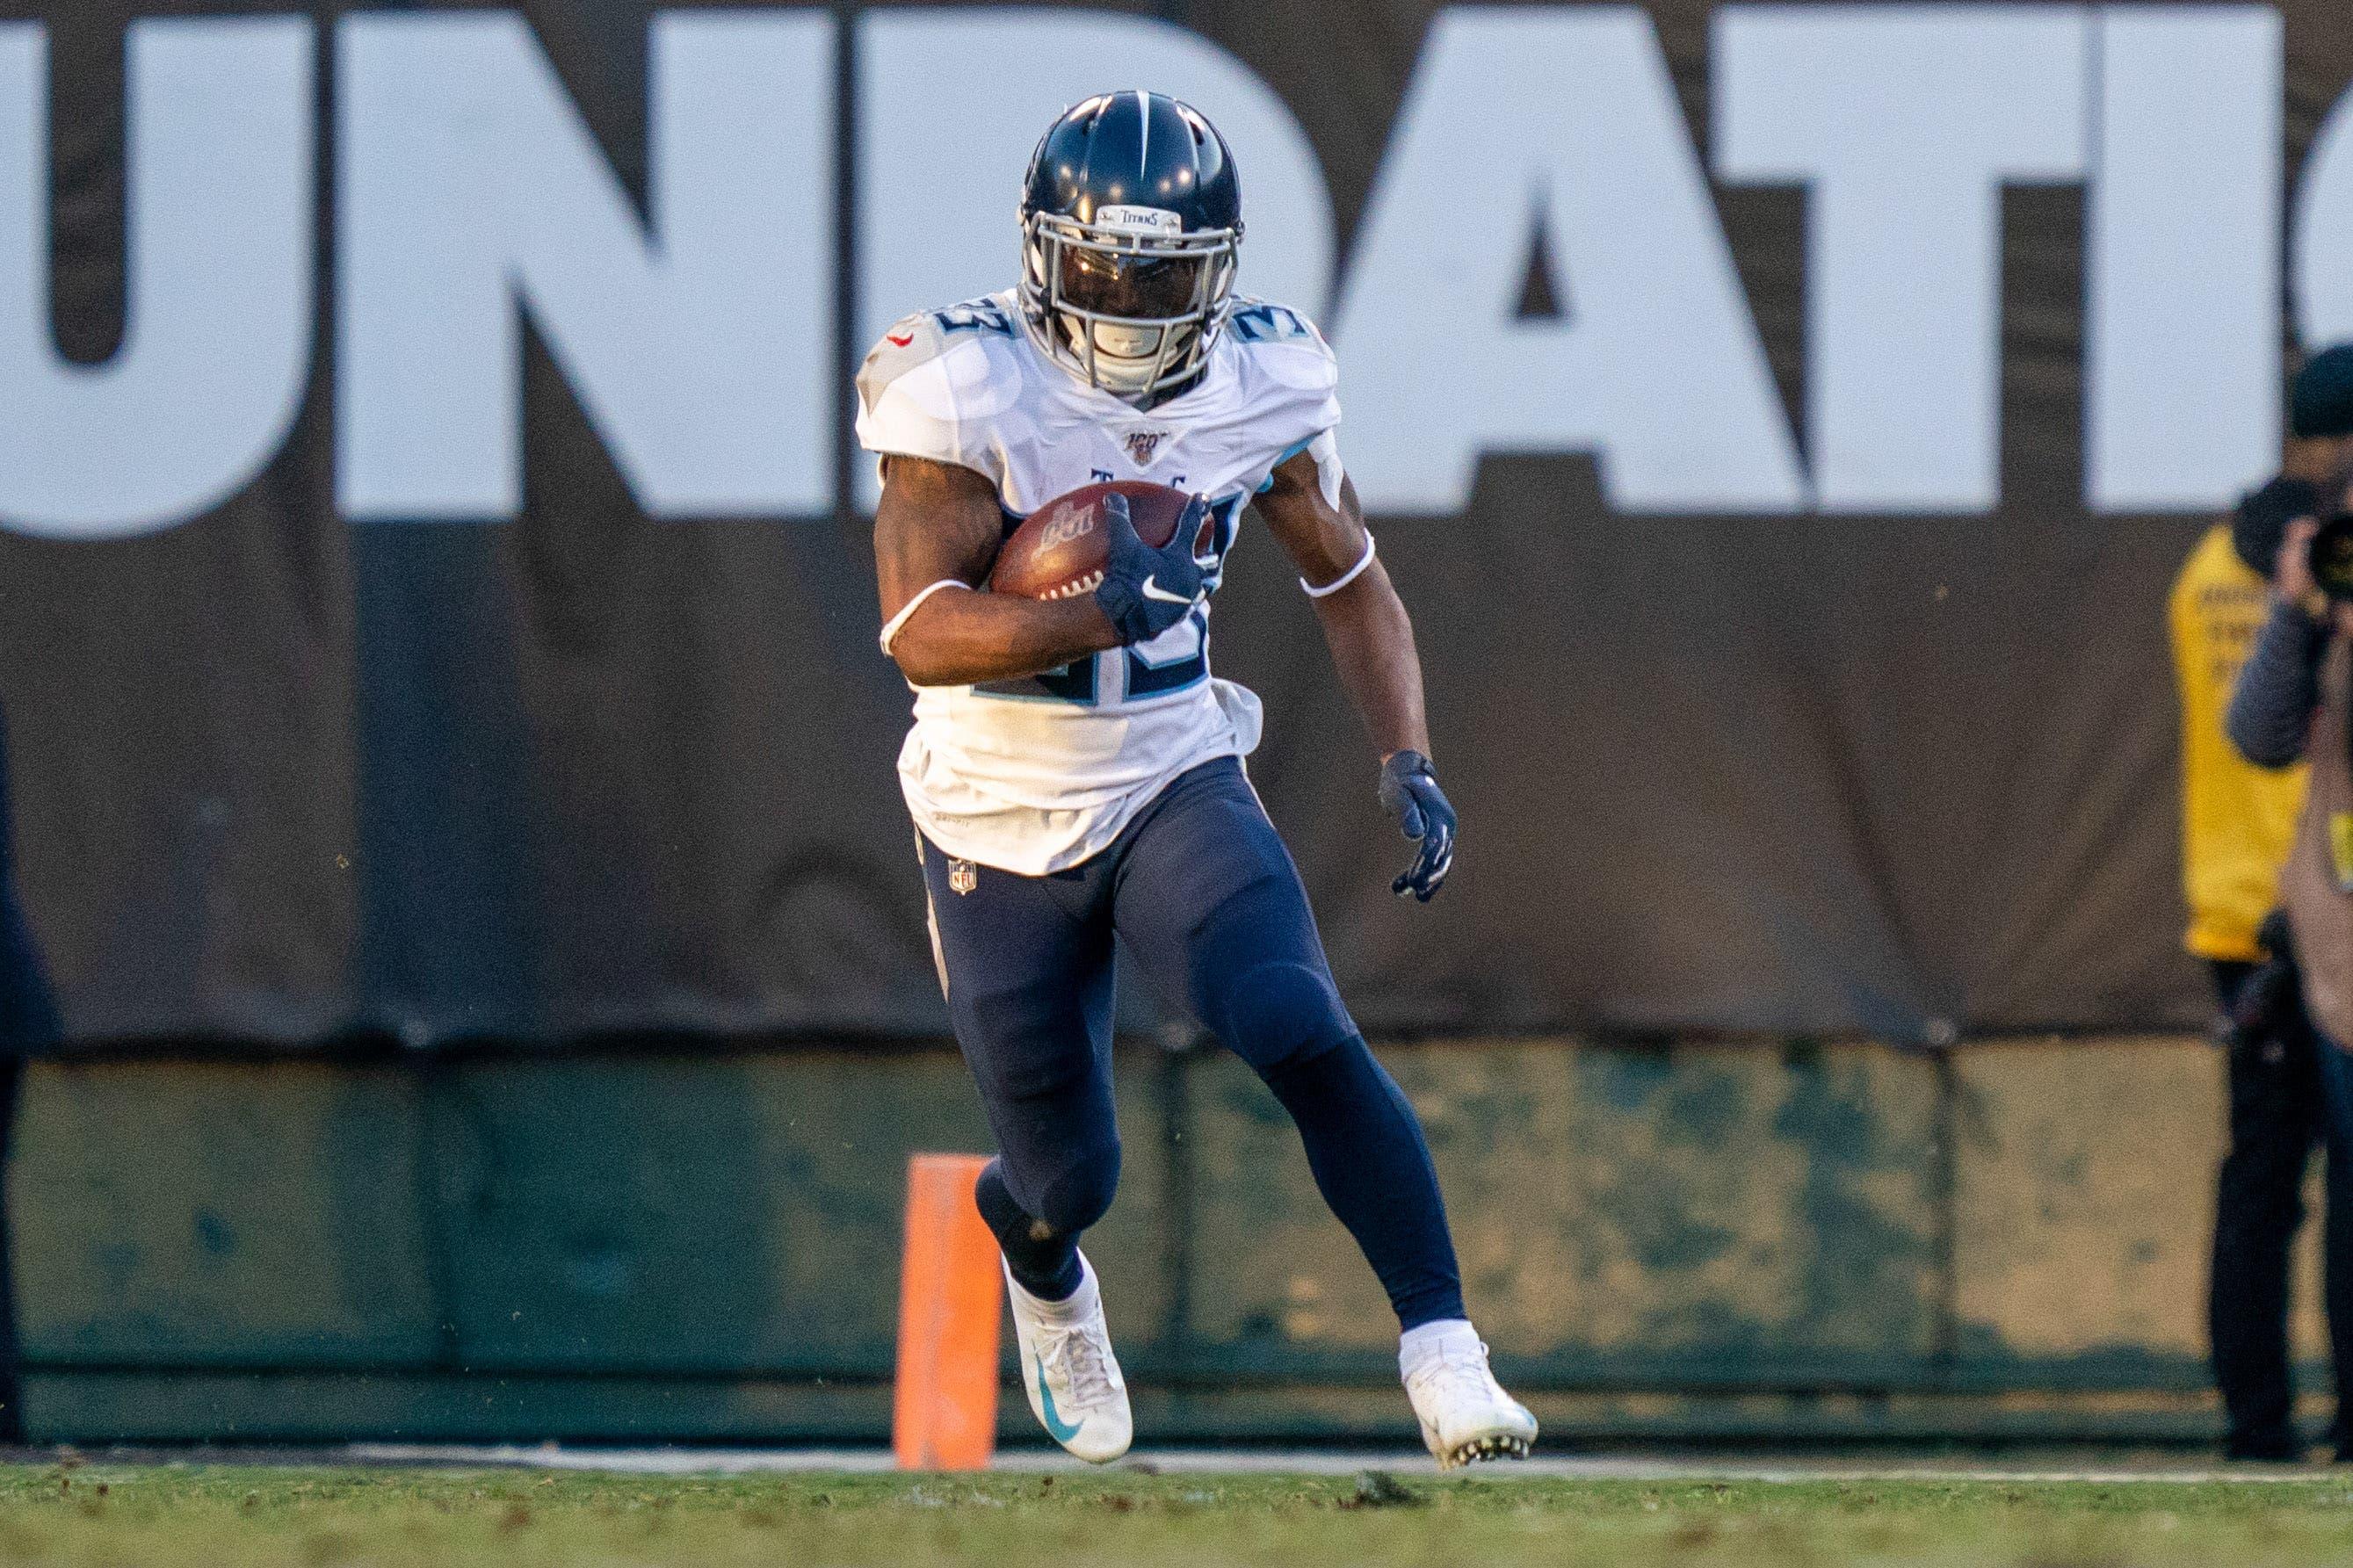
(2322, 273)
(700, 343)
(1563, 117)
(216, 338)
(2182, 350)
(1904, 123)
(935, 220)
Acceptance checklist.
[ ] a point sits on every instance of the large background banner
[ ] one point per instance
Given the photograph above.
(436, 597)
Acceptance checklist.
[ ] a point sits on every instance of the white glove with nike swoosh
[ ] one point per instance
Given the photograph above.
(1147, 591)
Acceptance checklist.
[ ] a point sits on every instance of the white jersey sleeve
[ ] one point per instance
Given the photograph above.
(930, 385)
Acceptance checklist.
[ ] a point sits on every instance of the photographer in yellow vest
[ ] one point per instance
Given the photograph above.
(2239, 822)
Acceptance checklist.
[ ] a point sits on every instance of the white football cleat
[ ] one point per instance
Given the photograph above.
(1465, 1415)
(1068, 1371)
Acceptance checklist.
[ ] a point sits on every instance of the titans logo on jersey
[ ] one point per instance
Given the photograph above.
(1038, 775)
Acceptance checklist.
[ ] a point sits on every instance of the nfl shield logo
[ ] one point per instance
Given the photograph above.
(963, 877)
(1142, 443)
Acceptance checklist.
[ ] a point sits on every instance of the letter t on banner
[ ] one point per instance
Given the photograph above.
(1904, 123)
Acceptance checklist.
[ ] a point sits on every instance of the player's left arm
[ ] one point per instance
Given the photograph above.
(1371, 639)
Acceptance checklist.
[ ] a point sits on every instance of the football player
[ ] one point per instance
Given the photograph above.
(1074, 771)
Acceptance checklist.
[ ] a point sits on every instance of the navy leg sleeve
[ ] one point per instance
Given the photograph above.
(1366, 1148)
(1209, 904)
(1026, 965)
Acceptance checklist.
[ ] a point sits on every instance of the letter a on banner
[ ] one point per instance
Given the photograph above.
(1564, 116)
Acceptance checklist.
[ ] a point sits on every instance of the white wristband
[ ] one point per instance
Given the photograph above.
(1344, 578)
(890, 627)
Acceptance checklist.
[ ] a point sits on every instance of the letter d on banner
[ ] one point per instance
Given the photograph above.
(943, 1407)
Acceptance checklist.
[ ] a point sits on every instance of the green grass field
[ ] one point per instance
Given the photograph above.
(169, 1516)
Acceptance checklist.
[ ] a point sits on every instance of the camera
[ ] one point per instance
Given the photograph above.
(2332, 557)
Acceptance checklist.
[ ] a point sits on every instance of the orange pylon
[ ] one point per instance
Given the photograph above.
(951, 1295)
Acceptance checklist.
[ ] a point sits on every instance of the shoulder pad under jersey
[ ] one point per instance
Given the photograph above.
(931, 377)
(1265, 322)
(924, 336)
(1295, 376)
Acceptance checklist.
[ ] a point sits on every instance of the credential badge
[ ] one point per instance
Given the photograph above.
(963, 877)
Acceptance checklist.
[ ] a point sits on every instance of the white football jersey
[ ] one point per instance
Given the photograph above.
(1037, 775)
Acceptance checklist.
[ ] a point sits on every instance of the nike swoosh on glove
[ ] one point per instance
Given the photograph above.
(1147, 591)
(1409, 790)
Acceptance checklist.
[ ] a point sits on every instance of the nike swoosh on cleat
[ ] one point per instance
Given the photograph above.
(1062, 1431)
(1153, 590)
(898, 342)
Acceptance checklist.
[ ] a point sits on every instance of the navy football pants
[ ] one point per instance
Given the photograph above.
(1202, 892)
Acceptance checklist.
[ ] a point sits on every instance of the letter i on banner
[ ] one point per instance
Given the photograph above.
(944, 1409)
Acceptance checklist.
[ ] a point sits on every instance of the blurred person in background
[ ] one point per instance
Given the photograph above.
(28, 1022)
(2292, 1016)
(2238, 821)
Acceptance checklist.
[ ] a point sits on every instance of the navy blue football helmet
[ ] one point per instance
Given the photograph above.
(1131, 221)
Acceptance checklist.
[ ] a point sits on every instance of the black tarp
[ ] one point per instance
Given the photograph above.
(281, 774)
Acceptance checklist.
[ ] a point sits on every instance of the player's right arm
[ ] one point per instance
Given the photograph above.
(937, 533)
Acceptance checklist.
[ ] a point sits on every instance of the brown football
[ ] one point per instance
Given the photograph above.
(1059, 551)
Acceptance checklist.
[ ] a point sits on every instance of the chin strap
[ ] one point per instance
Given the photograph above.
(1153, 361)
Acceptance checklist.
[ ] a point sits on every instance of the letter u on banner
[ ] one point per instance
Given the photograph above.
(217, 346)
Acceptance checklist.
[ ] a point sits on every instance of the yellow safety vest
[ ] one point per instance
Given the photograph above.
(2238, 821)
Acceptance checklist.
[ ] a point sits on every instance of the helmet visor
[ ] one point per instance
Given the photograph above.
(1130, 285)
(1133, 312)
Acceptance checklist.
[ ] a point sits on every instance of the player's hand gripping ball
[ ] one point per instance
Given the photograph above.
(1409, 789)
(1136, 547)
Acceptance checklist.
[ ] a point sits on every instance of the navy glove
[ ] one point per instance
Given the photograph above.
(1409, 790)
(1147, 591)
